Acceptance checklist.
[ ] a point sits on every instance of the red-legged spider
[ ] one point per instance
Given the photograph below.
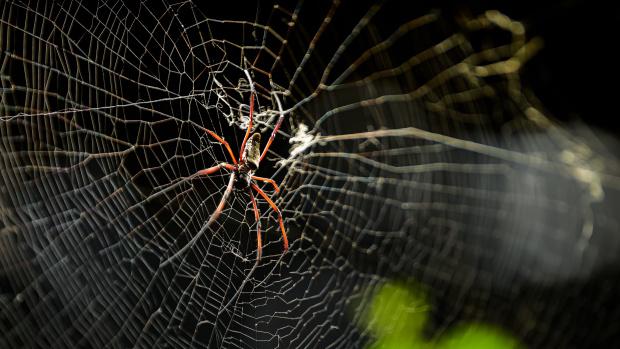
(242, 172)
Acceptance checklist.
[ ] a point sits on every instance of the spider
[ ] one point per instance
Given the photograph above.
(242, 171)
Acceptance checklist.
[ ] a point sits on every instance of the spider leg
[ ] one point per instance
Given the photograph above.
(249, 130)
(259, 242)
(275, 129)
(205, 227)
(268, 180)
(212, 170)
(221, 140)
(259, 252)
(275, 208)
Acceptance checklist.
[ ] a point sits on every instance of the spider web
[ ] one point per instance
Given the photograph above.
(409, 151)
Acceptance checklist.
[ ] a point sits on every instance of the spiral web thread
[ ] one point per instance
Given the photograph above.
(410, 151)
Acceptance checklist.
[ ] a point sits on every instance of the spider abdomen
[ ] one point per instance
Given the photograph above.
(251, 155)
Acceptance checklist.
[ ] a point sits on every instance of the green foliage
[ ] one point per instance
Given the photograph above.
(477, 336)
(397, 317)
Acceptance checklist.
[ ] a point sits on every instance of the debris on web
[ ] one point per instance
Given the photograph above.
(301, 142)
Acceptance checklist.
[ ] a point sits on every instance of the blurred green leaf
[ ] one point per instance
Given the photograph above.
(400, 343)
(398, 315)
(477, 336)
(398, 311)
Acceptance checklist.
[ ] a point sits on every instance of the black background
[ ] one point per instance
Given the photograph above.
(576, 74)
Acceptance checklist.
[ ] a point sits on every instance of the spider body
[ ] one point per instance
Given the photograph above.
(249, 163)
(242, 176)
(251, 155)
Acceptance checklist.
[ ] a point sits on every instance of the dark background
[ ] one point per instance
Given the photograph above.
(575, 75)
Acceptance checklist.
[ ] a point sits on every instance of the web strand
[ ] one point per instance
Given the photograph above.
(407, 150)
